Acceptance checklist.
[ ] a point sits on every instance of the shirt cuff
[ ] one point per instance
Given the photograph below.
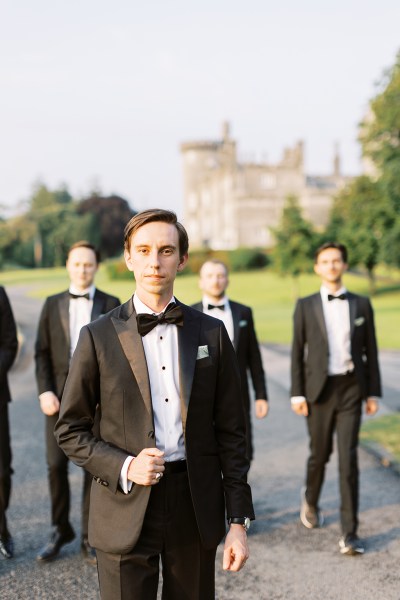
(297, 399)
(125, 484)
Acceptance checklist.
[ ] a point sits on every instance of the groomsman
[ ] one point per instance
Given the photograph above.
(8, 351)
(238, 320)
(170, 461)
(61, 320)
(334, 370)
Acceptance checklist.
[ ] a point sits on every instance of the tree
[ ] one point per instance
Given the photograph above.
(111, 214)
(360, 219)
(295, 243)
(380, 134)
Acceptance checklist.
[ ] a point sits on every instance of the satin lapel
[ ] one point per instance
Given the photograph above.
(353, 311)
(319, 313)
(188, 342)
(132, 345)
(63, 308)
(97, 309)
(236, 320)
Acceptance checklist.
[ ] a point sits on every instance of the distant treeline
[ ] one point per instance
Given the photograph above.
(53, 221)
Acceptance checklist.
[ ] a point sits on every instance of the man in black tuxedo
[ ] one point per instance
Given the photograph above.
(171, 453)
(61, 320)
(8, 351)
(238, 320)
(334, 368)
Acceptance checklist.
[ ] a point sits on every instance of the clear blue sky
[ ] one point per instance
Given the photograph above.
(102, 93)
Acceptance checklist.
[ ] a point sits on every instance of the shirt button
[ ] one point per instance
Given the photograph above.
(163, 368)
(166, 399)
(160, 337)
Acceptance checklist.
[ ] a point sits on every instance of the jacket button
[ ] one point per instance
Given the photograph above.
(105, 483)
(151, 434)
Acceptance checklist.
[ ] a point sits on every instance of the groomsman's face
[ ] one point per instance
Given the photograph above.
(82, 266)
(330, 266)
(213, 280)
(153, 257)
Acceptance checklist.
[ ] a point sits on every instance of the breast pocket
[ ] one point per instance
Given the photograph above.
(205, 362)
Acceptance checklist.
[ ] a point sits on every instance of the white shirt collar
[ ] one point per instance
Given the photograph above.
(90, 290)
(222, 302)
(140, 307)
(325, 292)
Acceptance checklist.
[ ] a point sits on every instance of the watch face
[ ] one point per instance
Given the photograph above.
(246, 523)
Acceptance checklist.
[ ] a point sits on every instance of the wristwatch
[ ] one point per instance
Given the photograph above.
(243, 521)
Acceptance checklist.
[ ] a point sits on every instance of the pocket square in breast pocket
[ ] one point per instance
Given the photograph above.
(242, 323)
(359, 321)
(202, 352)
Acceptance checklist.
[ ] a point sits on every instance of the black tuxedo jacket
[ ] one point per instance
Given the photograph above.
(310, 351)
(52, 349)
(247, 350)
(109, 369)
(8, 344)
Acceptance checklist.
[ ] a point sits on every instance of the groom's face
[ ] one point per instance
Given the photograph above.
(153, 256)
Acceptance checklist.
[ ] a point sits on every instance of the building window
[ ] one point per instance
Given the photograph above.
(268, 181)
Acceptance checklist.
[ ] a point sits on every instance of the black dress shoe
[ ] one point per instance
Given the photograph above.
(88, 552)
(56, 541)
(6, 547)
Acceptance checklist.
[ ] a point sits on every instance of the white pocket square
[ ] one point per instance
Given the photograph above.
(359, 321)
(243, 323)
(202, 352)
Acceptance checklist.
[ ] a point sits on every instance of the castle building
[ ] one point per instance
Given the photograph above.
(230, 204)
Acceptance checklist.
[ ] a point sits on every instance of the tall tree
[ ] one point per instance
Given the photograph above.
(295, 243)
(360, 218)
(380, 134)
(111, 214)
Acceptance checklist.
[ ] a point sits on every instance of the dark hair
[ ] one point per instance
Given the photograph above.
(341, 247)
(150, 216)
(85, 244)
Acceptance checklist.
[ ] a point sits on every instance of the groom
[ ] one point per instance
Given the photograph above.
(171, 455)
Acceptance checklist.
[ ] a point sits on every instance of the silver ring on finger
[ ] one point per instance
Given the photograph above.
(158, 476)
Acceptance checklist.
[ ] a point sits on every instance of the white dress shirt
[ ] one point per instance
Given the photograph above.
(80, 312)
(161, 352)
(337, 322)
(225, 314)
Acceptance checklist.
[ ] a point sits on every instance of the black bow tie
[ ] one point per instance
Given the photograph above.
(340, 297)
(173, 315)
(220, 306)
(75, 296)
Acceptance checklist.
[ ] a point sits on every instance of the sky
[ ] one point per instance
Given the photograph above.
(99, 95)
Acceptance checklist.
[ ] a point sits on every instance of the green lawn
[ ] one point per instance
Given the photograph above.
(272, 297)
(384, 431)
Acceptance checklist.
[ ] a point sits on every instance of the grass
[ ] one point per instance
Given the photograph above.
(384, 431)
(271, 297)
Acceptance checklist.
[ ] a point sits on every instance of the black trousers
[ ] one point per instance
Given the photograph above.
(5, 467)
(57, 464)
(338, 409)
(169, 532)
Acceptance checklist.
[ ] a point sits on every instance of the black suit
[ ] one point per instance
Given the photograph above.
(8, 351)
(109, 369)
(334, 401)
(249, 359)
(52, 355)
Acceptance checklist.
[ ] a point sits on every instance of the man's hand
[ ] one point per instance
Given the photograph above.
(371, 406)
(262, 407)
(236, 550)
(49, 403)
(300, 408)
(144, 469)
